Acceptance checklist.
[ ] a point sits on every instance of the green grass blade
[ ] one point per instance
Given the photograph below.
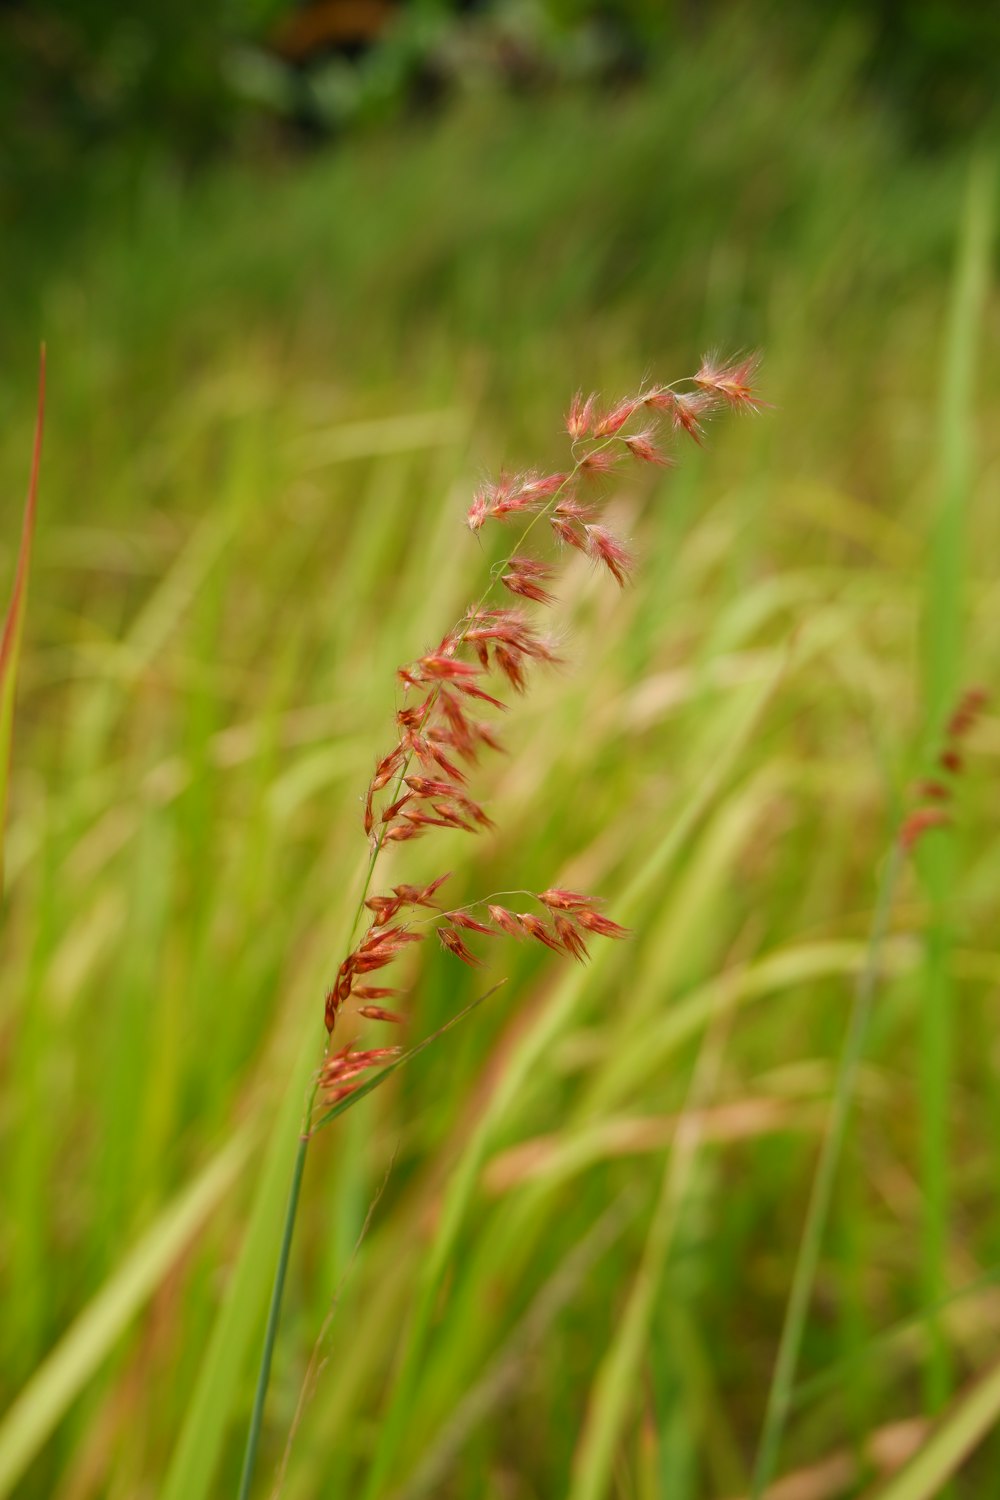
(619, 1376)
(968, 1420)
(943, 682)
(779, 1399)
(42, 1403)
(10, 642)
(191, 1474)
(506, 1369)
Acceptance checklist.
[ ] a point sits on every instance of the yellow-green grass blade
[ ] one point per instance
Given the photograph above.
(967, 1421)
(40, 1406)
(13, 629)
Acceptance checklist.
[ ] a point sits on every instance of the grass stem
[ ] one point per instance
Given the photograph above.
(273, 1316)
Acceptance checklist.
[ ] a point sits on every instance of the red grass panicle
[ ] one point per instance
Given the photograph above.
(443, 724)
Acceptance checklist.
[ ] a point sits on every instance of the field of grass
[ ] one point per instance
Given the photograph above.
(271, 396)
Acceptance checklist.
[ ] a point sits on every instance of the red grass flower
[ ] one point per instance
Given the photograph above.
(614, 420)
(537, 929)
(462, 919)
(607, 549)
(580, 416)
(451, 940)
(600, 925)
(641, 447)
(525, 576)
(570, 938)
(689, 410)
(732, 381)
(560, 899)
(505, 920)
(600, 461)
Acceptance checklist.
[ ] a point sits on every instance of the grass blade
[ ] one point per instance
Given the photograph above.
(10, 642)
(30, 1421)
(191, 1474)
(779, 1398)
(943, 628)
(620, 1373)
(967, 1421)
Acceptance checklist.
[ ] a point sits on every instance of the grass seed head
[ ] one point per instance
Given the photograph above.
(605, 548)
(733, 381)
(341, 1071)
(616, 417)
(505, 920)
(454, 944)
(418, 786)
(580, 417)
(600, 925)
(536, 928)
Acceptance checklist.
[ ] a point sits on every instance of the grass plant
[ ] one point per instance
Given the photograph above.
(438, 737)
(244, 409)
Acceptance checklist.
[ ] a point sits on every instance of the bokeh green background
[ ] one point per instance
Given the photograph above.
(285, 343)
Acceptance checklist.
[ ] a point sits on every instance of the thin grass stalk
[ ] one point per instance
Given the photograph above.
(273, 1318)
(779, 1398)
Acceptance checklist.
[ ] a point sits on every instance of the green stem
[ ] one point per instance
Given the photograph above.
(273, 1316)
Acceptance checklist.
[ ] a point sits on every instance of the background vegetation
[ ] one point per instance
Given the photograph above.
(273, 385)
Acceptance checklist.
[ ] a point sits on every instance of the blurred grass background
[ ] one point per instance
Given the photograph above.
(274, 384)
